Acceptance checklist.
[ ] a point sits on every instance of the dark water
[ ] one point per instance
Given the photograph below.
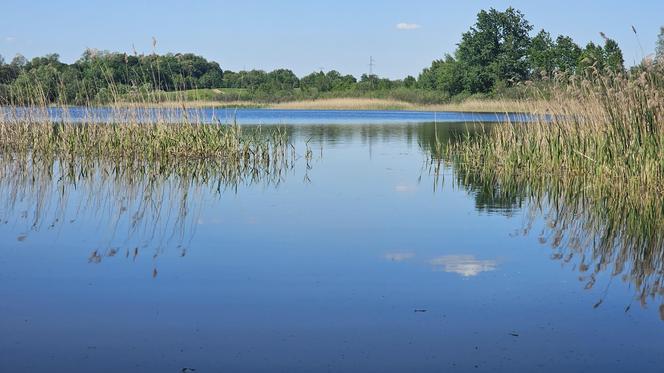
(358, 258)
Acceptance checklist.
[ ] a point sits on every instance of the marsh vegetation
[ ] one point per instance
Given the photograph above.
(591, 164)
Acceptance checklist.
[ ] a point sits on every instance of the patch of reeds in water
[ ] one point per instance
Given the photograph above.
(592, 165)
(136, 171)
(610, 128)
(134, 133)
(125, 127)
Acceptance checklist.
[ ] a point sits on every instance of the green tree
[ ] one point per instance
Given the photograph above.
(613, 56)
(281, 80)
(8, 72)
(541, 54)
(446, 75)
(595, 58)
(659, 47)
(566, 54)
(495, 50)
(409, 82)
(340, 82)
(19, 61)
(592, 57)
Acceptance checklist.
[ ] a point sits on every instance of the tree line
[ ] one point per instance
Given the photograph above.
(496, 53)
(99, 76)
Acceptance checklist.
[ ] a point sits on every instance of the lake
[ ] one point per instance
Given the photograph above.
(361, 253)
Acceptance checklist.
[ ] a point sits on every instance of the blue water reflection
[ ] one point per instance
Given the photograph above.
(358, 259)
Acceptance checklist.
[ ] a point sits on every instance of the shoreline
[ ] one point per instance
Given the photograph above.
(352, 104)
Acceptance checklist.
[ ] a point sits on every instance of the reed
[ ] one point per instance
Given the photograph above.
(591, 227)
(122, 132)
(136, 169)
(608, 128)
(138, 207)
(362, 103)
(591, 163)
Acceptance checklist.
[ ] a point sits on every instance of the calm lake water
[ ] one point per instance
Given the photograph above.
(255, 116)
(355, 257)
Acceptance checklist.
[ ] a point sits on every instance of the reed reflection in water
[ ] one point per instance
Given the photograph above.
(136, 206)
(592, 227)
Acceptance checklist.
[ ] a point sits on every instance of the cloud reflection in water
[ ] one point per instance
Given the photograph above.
(464, 265)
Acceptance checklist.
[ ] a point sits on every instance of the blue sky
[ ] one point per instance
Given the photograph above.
(304, 35)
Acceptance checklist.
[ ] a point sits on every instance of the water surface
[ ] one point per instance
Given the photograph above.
(251, 116)
(354, 257)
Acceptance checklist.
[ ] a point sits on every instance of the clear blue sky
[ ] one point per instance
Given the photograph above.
(304, 35)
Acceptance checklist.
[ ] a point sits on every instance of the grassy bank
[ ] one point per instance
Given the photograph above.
(470, 105)
(398, 99)
(352, 103)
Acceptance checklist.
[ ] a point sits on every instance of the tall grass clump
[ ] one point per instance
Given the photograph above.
(608, 128)
(142, 173)
(30, 122)
(590, 162)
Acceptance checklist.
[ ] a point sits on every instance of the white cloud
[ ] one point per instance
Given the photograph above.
(464, 265)
(10, 39)
(407, 26)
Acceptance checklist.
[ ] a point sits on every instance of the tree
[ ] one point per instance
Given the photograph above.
(373, 82)
(281, 80)
(316, 81)
(613, 56)
(19, 61)
(566, 54)
(659, 47)
(495, 50)
(599, 58)
(409, 82)
(547, 56)
(340, 82)
(541, 54)
(446, 75)
(592, 56)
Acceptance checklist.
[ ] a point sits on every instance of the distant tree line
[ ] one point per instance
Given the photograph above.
(498, 52)
(99, 76)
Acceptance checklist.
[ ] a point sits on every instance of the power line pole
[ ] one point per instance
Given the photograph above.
(371, 65)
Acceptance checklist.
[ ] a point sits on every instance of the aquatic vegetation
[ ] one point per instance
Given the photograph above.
(133, 133)
(138, 205)
(364, 103)
(610, 129)
(137, 168)
(591, 228)
(137, 171)
(593, 167)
